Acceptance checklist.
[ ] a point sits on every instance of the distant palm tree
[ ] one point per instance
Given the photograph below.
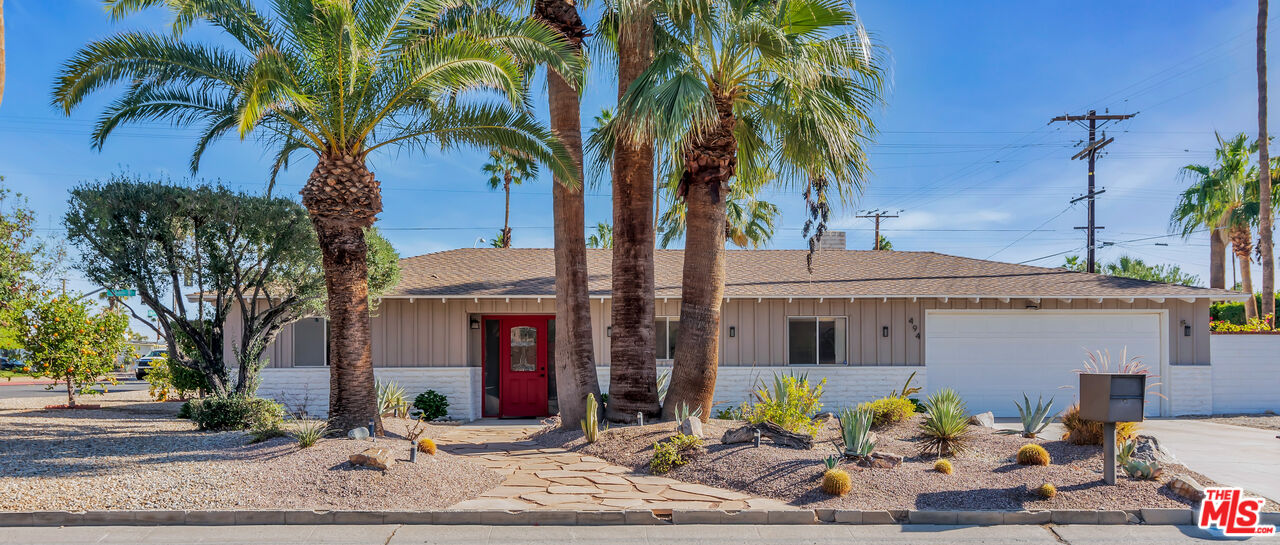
(741, 88)
(749, 222)
(883, 243)
(499, 241)
(1266, 246)
(602, 238)
(1224, 199)
(339, 79)
(505, 169)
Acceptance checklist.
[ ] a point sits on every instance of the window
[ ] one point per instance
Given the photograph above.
(310, 342)
(666, 328)
(815, 340)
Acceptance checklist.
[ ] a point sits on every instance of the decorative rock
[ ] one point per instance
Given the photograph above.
(1186, 487)
(986, 420)
(376, 457)
(780, 436)
(1148, 449)
(691, 426)
(880, 460)
(358, 433)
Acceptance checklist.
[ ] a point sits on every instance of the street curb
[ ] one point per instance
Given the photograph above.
(1147, 516)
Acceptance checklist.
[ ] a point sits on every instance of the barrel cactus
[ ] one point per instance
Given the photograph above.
(943, 466)
(1033, 455)
(427, 446)
(836, 482)
(1046, 491)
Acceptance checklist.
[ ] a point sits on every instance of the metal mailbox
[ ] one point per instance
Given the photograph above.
(1112, 397)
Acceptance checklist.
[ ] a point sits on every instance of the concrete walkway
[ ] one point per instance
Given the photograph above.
(555, 478)
(1235, 455)
(827, 534)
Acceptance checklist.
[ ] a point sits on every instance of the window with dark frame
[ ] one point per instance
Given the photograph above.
(816, 340)
(666, 328)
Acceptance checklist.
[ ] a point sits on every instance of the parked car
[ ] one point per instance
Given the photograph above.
(10, 364)
(144, 363)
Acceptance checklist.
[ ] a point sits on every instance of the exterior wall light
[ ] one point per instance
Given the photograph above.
(475, 323)
(608, 331)
(733, 331)
(1186, 329)
(884, 331)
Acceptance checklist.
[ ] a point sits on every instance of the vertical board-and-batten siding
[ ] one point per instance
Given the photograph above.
(430, 333)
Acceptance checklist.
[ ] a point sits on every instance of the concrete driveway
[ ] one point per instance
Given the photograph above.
(1233, 455)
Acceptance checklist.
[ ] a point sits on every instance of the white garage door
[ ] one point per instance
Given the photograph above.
(991, 358)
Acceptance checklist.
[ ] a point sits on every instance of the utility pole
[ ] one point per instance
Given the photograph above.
(877, 214)
(1090, 151)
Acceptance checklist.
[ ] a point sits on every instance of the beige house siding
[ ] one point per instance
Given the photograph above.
(436, 333)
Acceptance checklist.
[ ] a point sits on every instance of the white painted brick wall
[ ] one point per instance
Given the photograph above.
(1190, 389)
(308, 388)
(846, 385)
(1246, 373)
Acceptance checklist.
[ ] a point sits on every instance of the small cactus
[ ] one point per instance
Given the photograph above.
(1046, 491)
(831, 461)
(1141, 470)
(836, 482)
(427, 446)
(1033, 455)
(591, 423)
(943, 466)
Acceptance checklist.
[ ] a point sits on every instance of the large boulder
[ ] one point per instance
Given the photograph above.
(375, 457)
(691, 426)
(986, 420)
(1148, 449)
(358, 433)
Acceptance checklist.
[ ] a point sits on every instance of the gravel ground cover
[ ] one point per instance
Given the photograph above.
(133, 454)
(986, 476)
(1260, 421)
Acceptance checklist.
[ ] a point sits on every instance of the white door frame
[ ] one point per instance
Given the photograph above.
(1161, 314)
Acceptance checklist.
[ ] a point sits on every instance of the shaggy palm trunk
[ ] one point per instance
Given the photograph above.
(575, 355)
(1242, 244)
(1266, 249)
(705, 186)
(633, 366)
(343, 198)
(506, 216)
(1217, 258)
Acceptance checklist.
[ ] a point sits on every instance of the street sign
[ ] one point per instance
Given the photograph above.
(122, 293)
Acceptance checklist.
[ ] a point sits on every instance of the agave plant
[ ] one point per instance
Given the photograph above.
(945, 426)
(683, 413)
(1034, 419)
(1143, 470)
(391, 399)
(855, 431)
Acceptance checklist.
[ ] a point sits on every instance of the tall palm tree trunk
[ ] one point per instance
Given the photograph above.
(575, 356)
(344, 198)
(708, 168)
(1242, 244)
(1217, 258)
(633, 369)
(506, 216)
(1266, 248)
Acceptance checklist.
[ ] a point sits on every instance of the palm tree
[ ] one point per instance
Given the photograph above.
(499, 241)
(749, 222)
(505, 169)
(883, 243)
(745, 88)
(1224, 199)
(1266, 248)
(575, 355)
(602, 238)
(340, 79)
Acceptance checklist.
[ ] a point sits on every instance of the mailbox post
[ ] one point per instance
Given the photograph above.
(1111, 398)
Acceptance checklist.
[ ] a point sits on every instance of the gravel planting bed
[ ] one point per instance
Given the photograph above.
(134, 454)
(1260, 421)
(986, 476)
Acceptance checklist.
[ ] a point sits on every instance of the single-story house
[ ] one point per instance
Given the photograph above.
(478, 325)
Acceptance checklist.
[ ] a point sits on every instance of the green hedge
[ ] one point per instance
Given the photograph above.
(234, 413)
(1234, 311)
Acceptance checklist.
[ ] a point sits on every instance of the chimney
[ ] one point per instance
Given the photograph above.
(832, 240)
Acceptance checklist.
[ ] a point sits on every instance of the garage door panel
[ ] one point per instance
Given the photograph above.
(991, 359)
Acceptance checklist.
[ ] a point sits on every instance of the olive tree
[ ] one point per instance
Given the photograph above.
(251, 256)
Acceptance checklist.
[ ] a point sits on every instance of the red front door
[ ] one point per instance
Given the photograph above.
(523, 366)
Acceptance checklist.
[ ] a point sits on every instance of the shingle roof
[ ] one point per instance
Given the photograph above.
(518, 272)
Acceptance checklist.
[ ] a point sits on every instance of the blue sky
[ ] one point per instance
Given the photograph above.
(965, 149)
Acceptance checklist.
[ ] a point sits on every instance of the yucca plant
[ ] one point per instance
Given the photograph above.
(309, 432)
(855, 431)
(1034, 419)
(945, 426)
(391, 399)
(341, 81)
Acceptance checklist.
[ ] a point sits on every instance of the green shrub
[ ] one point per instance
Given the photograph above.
(685, 443)
(185, 410)
(888, 410)
(264, 434)
(166, 381)
(791, 404)
(730, 413)
(1234, 311)
(665, 458)
(432, 404)
(945, 426)
(236, 413)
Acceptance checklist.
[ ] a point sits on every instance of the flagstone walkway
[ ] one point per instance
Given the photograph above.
(555, 478)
